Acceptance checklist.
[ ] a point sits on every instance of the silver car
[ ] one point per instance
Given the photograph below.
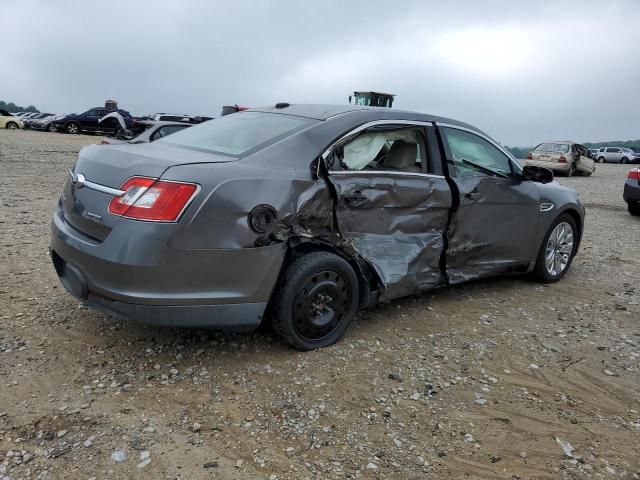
(154, 131)
(617, 155)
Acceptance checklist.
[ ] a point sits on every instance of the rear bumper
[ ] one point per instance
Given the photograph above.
(555, 166)
(129, 278)
(631, 191)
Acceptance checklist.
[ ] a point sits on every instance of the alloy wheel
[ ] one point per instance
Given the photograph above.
(559, 249)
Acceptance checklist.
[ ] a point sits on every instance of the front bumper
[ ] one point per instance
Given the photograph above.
(128, 278)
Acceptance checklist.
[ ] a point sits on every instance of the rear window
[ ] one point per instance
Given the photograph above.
(552, 147)
(239, 133)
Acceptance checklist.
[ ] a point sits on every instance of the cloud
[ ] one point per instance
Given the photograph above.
(524, 73)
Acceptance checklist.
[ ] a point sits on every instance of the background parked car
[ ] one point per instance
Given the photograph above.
(564, 157)
(89, 121)
(8, 120)
(28, 123)
(171, 117)
(153, 132)
(46, 123)
(617, 155)
(631, 193)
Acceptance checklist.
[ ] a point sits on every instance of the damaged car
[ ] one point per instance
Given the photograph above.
(303, 215)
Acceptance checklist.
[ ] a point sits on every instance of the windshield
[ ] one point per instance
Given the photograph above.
(628, 150)
(238, 133)
(552, 147)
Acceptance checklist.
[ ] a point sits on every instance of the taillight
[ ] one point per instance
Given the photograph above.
(529, 156)
(562, 159)
(634, 174)
(155, 200)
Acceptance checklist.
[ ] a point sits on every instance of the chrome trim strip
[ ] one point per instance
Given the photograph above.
(547, 207)
(94, 186)
(104, 189)
(374, 123)
(384, 172)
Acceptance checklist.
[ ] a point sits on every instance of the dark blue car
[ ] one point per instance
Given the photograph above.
(89, 121)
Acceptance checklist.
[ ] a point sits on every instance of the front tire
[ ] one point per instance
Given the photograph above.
(601, 160)
(316, 301)
(625, 160)
(73, 128)
(12, 126)
(557, 250)
(572, 170)
(52, 128)
(634, 208)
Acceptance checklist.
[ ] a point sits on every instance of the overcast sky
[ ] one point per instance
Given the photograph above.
(522, 73)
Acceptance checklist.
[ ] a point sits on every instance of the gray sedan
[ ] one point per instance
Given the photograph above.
(303, 214)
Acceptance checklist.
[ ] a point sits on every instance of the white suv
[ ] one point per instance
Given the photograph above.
(616, 155)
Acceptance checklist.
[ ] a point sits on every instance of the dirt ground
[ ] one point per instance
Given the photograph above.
(502, 378)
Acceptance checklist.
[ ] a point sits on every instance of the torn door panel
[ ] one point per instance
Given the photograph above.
(396, 223)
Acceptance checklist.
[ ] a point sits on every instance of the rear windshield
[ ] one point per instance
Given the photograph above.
(552, 147)
(238, 133)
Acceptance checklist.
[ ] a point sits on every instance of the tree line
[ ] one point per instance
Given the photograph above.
(12, 107)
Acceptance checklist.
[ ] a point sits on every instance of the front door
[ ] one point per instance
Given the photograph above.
(494, 228)
(390, 206)
(90, 120)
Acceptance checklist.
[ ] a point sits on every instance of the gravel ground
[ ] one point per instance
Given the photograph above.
(501, 378)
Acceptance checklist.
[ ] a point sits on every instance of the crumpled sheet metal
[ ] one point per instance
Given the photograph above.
(398, 228)
(473, 250)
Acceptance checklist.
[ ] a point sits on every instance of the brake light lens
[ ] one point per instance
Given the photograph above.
(152, 200)
(562, 159)
(529, 156)
(634, 174)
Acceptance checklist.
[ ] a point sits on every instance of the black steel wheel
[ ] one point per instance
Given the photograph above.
(316, 301)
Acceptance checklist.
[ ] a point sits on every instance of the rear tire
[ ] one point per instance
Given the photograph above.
(634, 208)
(557, 250)
(12, 126)
(72, 128)
(316, 301)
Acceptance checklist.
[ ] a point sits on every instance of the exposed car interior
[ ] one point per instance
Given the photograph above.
(392, 150)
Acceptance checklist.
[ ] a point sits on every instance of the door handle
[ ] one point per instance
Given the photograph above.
(354, 199)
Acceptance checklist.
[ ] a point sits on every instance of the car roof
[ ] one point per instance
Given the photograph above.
(327, 111)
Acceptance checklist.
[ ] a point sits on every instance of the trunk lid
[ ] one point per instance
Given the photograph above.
(86, 209)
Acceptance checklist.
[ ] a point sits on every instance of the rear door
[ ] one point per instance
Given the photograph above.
(613, 154)
(494, 228)
(392, 202)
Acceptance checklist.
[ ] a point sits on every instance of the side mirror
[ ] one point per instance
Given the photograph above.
(537, 174)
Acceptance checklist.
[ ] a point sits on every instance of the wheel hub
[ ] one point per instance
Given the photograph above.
(320, 305)
(559, 248)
